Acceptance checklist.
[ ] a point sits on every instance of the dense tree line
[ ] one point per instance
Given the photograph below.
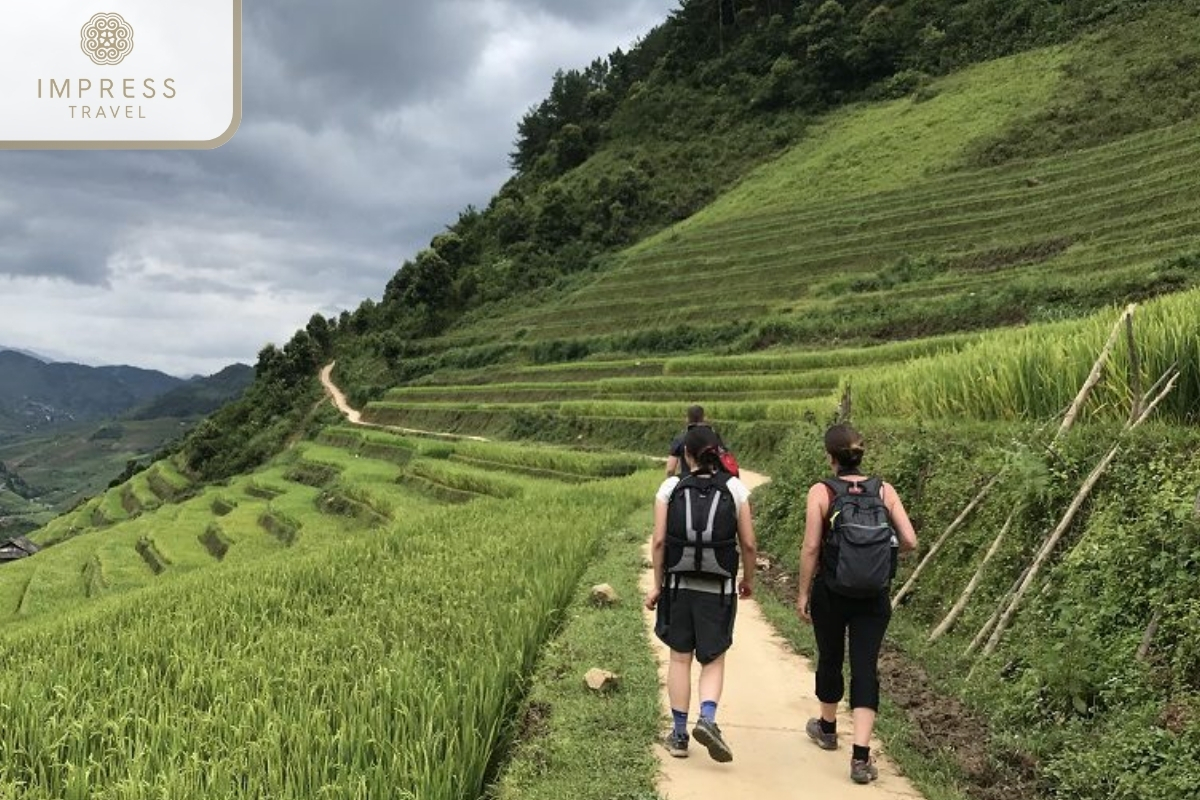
(247, 432)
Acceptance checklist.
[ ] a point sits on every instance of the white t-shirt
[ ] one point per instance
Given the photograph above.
(738, 489)
(712, 585)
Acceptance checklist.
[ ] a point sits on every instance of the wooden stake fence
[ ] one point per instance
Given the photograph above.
(1081, 496)
(948, 622)
(1125, 321)
(966, 512)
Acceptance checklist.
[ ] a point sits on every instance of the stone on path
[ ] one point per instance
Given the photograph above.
(604, 595)
(601, 680)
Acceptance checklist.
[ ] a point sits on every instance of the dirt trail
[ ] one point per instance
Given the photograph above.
(354, 416)
(768, 696)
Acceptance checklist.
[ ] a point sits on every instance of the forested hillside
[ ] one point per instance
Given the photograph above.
(644, 138)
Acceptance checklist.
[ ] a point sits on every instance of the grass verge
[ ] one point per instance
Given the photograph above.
(577, 744)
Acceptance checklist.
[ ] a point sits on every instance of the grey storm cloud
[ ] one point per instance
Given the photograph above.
(367, 125)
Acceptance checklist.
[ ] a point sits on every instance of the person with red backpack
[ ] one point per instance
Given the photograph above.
(676, 462)
(855, 528)
(702, 527)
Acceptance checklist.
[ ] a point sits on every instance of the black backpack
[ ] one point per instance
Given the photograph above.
(859, 552)
(702, 524)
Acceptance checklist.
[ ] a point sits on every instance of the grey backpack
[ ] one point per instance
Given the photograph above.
(859, 552)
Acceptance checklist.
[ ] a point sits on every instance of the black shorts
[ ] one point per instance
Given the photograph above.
(700, 622)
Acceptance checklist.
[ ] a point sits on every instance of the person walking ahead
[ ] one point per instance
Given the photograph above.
(702, 523)
(675, 459)
(855, 527)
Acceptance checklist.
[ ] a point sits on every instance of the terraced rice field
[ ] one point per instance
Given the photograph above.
(758, 396)
(1024, 373)
(348, 481)
(307, 627)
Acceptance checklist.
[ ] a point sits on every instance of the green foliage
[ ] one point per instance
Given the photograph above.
(577, 744)
(247, 432)
(1064, 691)
(1122, 81)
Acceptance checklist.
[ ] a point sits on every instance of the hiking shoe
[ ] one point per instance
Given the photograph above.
(708, 735)
(825, 741)
(676, 744)
(863, 771)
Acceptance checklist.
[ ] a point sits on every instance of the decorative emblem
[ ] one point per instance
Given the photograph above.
(106, 39)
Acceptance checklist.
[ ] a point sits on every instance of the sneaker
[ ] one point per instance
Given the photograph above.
(863, 771)
(676, 744)
(825, 741)
(709, 735)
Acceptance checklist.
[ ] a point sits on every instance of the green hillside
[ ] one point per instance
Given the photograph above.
(882, 226)
(934, 210)
(849, 234)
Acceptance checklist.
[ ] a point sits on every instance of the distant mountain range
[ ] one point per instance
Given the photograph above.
(198, 396)
(36, 394)
(30, 353)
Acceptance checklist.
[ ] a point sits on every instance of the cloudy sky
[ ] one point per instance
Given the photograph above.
(367, 125)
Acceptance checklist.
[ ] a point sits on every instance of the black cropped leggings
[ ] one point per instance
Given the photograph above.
(867, 621)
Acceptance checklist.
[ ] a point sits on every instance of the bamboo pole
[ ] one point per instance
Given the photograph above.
(981, 635)
(1052, 540)
(966, 512)
(907, 587)
(1148, 637)
(1135, 371)
(1047, 547)
(1069, 417)
(844, 407)
(948, 622)
(1094, 377)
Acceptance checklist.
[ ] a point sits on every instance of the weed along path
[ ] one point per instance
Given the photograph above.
(769, 694)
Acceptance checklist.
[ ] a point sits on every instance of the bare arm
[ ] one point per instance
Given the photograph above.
(658, 545)
(749, 547)
(672, 465)
(810, 550)
(658, 542)
(900, 520)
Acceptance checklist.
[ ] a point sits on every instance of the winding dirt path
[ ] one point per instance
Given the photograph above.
(354, 416)
(768, 696)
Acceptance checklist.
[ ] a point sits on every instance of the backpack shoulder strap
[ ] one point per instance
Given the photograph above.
(685, 482)
(836, 487)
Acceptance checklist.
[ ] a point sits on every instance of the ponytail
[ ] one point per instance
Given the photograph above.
(702, 444)
(845, 445)
(709, 459)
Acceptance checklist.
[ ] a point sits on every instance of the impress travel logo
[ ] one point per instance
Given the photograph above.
(140, 74)
(107, 39)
